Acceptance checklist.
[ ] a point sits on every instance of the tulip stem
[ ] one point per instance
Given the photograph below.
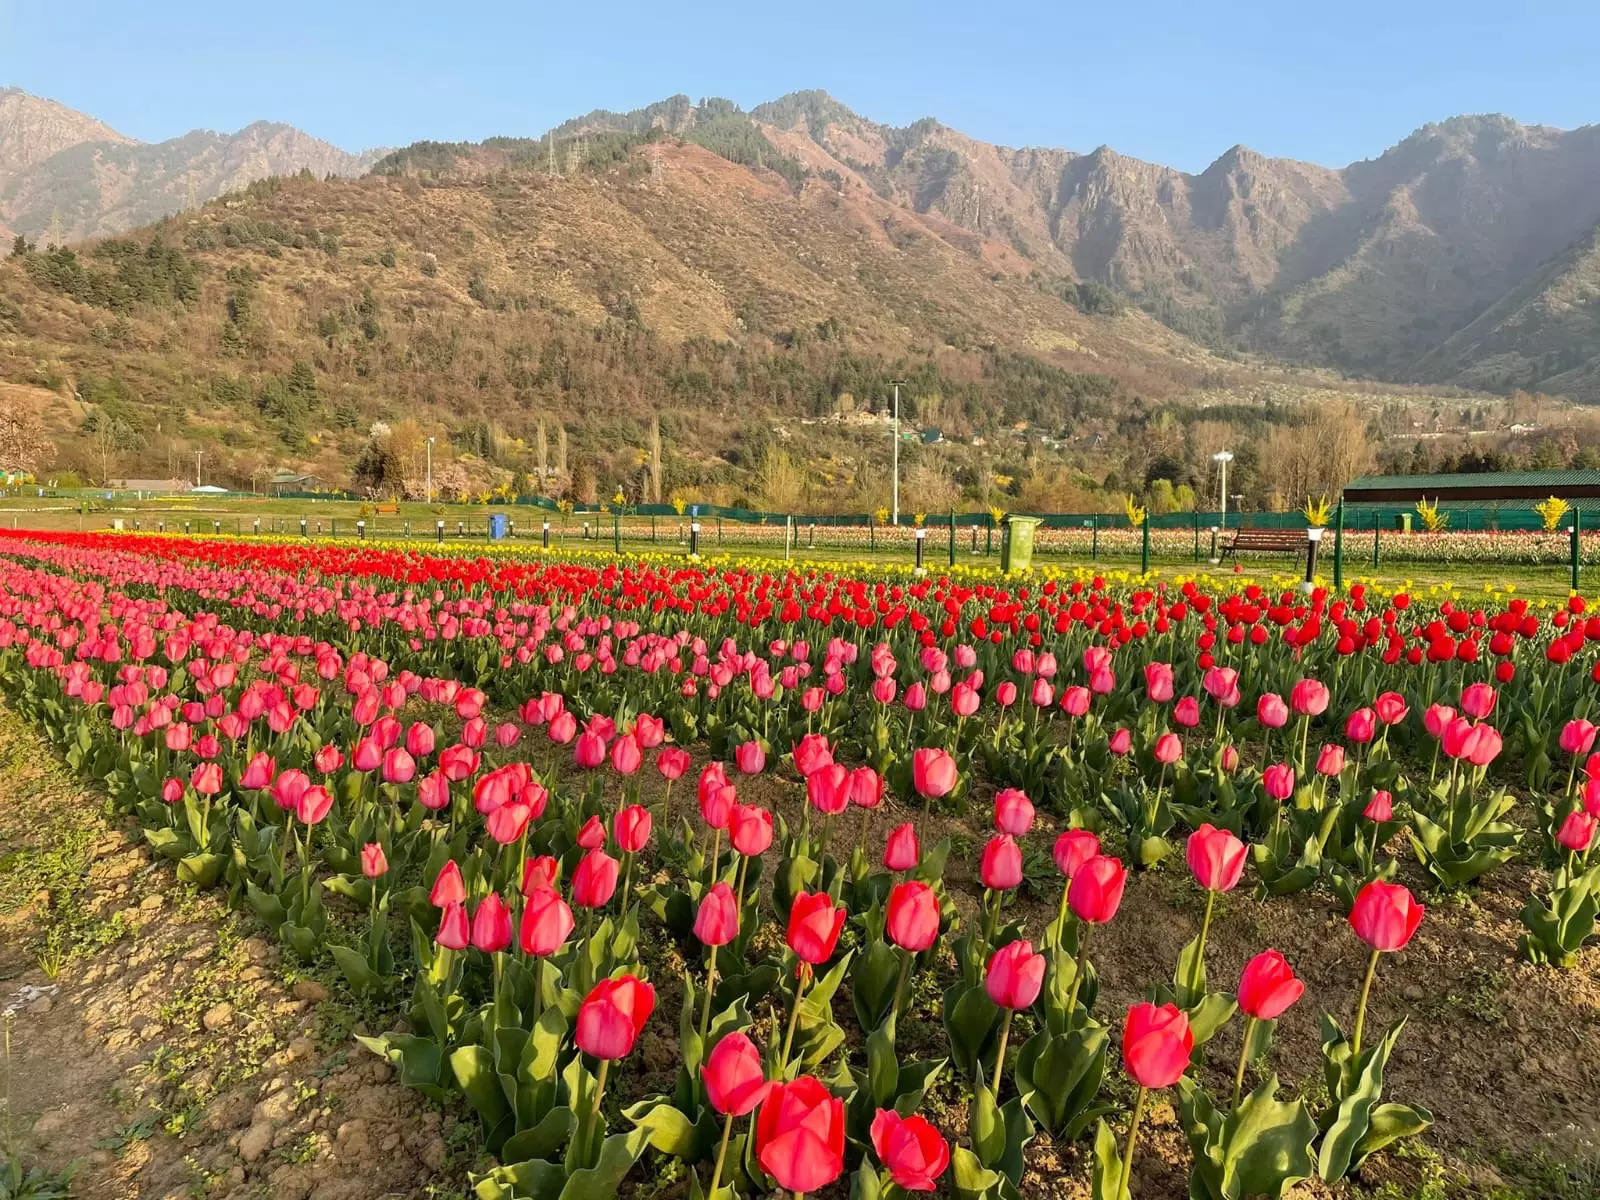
(1061, 913)
(1361, 1006)
(1077, 974)
(1244, 1059)
(1205, 923)
(1127, 1151)
(593, 1122)
(711, 986)
(900, 985)
(993, 921)
(861, 833)
(738, 888)
(722, 1156)
(716, 853)
(1000, 1055)
(794, 1020)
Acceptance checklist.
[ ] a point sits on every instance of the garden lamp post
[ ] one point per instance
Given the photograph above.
(1223, 457)
(894, 509)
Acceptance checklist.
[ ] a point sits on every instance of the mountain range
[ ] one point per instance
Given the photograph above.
(273, 299)
(65, 176)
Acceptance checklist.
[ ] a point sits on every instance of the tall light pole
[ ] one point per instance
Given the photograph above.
(430, 470)
(1224, 457)
(197, 454)
(894, 512)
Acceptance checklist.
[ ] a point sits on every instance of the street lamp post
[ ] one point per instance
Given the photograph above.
(430, 470)
(197, 455)
(894, 514)
(1223, 457)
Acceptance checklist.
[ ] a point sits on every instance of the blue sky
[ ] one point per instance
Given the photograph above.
(1174, 82)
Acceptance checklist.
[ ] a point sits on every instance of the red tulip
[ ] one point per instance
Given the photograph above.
(258, 774)
(1477, 700)
(1278, 780)
(1577, 832)
(592, 835)
(626, 755)
(433, 791)
(1158, 682)
(398, 766)
(631, 828)
(1013, 812)
(828, 788)
(1577, 737)
(1169, 749)
(546, 921)
(717, 804)
(1096, 890)
(812, 752)
(595, 880)
(910, 1149)
(901, 852)
(1361, 726)
(750, 829)
(933, 772)
(328, 759)
(1391, 708)
(672, 762)
(1309, 697)
(1074, 848)
(1330, 761)
(316, 802)
(866, 788)
(454, 930)
(1380, 807)
(1268, 986)
(539, 872)
(814, 925)
(736, 1081)
(1015, 975)
(1156, 1044)
(1001, 866)
(799, 1135)
(1121, 742)
(612, 1016)
(1437, 719)
(717, 921)
(912, 920)
(1385, 915)
(447, 886)
(1271, 711)
(1216, 857)
(750, 758)
(206, 780)
(458, 762)
(1186, 712)
(374, 862)
(491, 925)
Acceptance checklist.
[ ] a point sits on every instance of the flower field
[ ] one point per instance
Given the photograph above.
(855, 845)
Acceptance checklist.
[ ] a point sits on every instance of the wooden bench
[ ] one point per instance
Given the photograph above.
(387, 510)
(1272, 541)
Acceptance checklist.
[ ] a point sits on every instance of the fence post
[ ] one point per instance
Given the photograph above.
(1144, 548)
(1338, 547)
(921, 535)
(652, 529)
(1094, 537)
(719, 531)
(988, 538)
(788, 536)
(1577, 528)
(616, 534)
(1377, 527)
(872, 533)
(1197, 535)
(952, 537)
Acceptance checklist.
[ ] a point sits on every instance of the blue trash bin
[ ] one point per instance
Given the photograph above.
(497, 526)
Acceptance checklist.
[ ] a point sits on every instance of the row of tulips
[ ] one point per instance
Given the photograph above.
(295, 770)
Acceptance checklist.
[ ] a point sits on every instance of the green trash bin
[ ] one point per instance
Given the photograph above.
(1016, 543)
(1402, 522)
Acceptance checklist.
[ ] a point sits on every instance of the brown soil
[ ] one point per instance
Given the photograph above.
(176, 1054)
